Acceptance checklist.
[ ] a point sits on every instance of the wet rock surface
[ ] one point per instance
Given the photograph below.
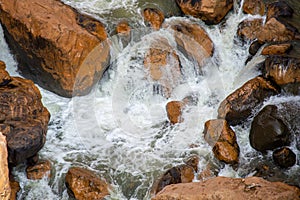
(254, 7)
(5, 189)
(52, 43)
(154, 16)
(84, 184)
(24, 119)
(211, 12)
(39, 170)
(174, 111)
(230, 188)
(222, 138)
(15, 188)
(284, 157)
(239, 104)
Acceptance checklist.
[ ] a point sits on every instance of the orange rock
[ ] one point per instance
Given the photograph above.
(229, 188)
(238, 105)
(154, 16)
(5, 190)
(254, 7)
(210, 11)
(276, 49)
(249, 29)
(40, 170)
(83, 184)
(60, 49)
(218, 134)
(123, 28)
(15, 188)
(4, 76)
(174, 111)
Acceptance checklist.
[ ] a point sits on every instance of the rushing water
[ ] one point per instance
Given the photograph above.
(119, 130)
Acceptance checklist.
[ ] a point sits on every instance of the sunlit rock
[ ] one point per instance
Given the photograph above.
(179, 174)
(276, 49)
(238, 105)
(54, 44)
(222, 138)
(229, 188)
(210, 11)
(154, 16)
(39, 170)
(83, 184)
(269, 130)
(254, 7)
(284, 157)
(192, 40)
(5, 190)
(24, 119)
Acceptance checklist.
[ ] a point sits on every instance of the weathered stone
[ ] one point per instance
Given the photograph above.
(249, 29)
(174, 111)
(268, 130)
(5, 190)
(123, 28)
(40, 170)
(154, 16)
(279, 9)
(83, 184)
(276, 49)
(57, 47)
(275, 31)
(222, 138)
(163, 66)
(210, 11)
(230, 188)
(178, 174)
(15, 188)
(192, 40)
(239, 104)
(254, 7)
(24, 119)
(284, 157)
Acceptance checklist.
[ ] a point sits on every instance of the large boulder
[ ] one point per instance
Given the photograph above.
(23, 118)
(239, 104)
(222, 138)
(5, 190)
(84, 184)
(192, 40)
(230, 188)
(210, 11)
(57, 47)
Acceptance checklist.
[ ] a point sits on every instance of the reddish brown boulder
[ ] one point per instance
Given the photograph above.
(4, 76)
(275, 31)
(192, 40)
(15, 188)
(24, 119)
(57, 47)
(123, 28)
(276, 49)
(5, 190)
(230, 188)
(179, 174)
(154, 16)
(83, 184)
(284, 157)
(249, 29)
(222, 138)
(174, 111)
(40, 170)
(163, 66)
(210, 11)
(239, 104)
(254, 7)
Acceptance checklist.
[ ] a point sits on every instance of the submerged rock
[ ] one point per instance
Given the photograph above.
(210, 11)
(23, 119)
(154, 16)
(57, 47)
(239, 105)
(230, 188)
(284, 157)
(254, 7)
(222, 138)
(83, 184)
(192, 40)
(39, 170)
(5, 189)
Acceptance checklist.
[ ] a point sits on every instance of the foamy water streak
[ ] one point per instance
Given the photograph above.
(119, 130)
